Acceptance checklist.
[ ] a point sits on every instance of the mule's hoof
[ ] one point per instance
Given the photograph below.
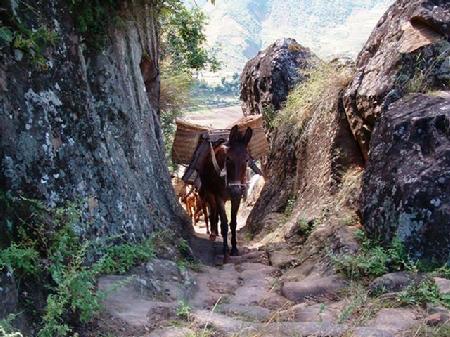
(212, 237)
(234, 252)
(225, 258)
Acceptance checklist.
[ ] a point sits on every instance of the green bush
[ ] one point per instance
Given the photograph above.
(423, 293)
(372, 259)
(183, 310)
(46, 245)
(33, 42)
(23, 260)
(305, 227)
(290, 205)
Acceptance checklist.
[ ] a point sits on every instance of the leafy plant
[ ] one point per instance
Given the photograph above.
(183, 310)
(182, 52)
(290, 204)
(42, 241)
(422, 293)
(33, 42)
(6, 35)
(182, 37)
(23, 260)
(305, 227)
(372, 259)
(3, 333)
(92, 18)
(269, 115)
(6, 328)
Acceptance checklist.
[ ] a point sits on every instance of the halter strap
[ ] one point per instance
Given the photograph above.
(213, 159)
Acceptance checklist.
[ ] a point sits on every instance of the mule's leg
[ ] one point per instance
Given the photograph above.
(223, 226)
(213, 217)
(235, 203)
(205, 213)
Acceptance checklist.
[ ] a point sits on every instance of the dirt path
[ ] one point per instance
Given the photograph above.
(252, 296)
(219, 118)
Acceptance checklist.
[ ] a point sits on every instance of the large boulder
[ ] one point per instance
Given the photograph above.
(85, 127)
(408, 51)
(406, 185)
(268, 77)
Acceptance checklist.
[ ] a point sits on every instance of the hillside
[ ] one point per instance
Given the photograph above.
(238, 29)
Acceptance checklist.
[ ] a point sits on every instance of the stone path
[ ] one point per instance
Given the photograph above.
(247, 297)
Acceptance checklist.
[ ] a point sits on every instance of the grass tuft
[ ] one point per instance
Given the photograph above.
(321, 86)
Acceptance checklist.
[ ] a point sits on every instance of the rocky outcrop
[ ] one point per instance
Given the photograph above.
(407, 52)
(86, 128)
(406, 185)
(306, 167)
(268, 77)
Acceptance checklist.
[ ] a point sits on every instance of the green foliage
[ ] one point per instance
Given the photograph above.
(422, 293)
(33, 42)
(183, 310)
(290, 204)
(183, 39)
(4, 333)
(23, 260)
(6, 35)
(75, 291)
(92, 18)
(187, 260)
(174, 98)
(372, 259)
(119, 258)
(305, 227)
(183, 248)
(443, 271)
(418, 72)
(269, 115)
(41, 241)
(6, 328)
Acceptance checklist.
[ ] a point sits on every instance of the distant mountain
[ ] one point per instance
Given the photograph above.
(238, 29)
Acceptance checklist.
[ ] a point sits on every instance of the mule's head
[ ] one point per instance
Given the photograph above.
(236, 160)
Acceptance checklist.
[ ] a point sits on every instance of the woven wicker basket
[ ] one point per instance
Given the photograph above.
(258, 146)
(188, 134)
(186, 141)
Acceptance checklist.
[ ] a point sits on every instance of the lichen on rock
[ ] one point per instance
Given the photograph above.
(86, 127)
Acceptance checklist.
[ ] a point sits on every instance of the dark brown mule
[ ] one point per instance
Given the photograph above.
(222, 175)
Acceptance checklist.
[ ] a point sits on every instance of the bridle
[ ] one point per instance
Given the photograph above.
(222, 172)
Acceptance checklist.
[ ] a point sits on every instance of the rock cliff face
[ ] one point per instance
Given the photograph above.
(310, 154)
(268, 77)
(407, 52)
(86, 128)
(406, 186)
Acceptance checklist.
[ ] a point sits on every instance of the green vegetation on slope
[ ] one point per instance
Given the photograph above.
(42, 251)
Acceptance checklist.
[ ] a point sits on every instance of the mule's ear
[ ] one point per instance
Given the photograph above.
(248, 135)
(234, 135)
